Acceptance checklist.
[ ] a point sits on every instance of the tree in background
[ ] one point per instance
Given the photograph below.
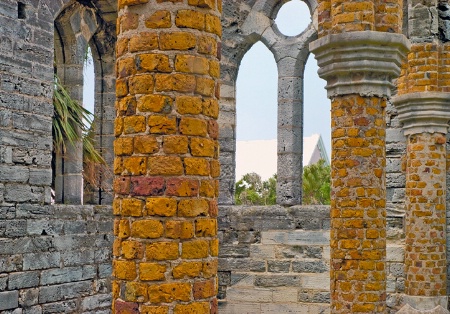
(251, 190)
(317, 184)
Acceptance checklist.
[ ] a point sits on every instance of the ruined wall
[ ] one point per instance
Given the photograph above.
(274, 259)
(56, 259)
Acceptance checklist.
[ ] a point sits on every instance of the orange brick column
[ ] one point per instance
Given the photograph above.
(166, 157)
(425, 119)
(358, 61)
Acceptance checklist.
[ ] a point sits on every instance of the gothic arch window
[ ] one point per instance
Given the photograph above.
(291, 53)
(80, 28)
(256, 113)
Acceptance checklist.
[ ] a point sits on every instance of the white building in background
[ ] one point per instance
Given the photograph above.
(261, 156)
(314, 150)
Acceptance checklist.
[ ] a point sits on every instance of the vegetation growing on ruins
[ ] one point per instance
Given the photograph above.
(69, 125)
(72, 123)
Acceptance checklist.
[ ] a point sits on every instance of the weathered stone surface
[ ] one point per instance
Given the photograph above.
(9, 300)
(297, 237)
(23, 280)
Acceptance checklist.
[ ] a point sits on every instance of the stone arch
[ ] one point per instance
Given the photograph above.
(244, 26)
(81, 24)
(71, 40)
(254, 112)
(107, 8)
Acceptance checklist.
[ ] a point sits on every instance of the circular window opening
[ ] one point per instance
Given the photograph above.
(293, 17)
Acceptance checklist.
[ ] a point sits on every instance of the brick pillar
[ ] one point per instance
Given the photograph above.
(166, 157)
(422, 105)
(358, 62)
(425, 122)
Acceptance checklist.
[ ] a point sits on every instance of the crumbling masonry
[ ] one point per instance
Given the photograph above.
(163, 235)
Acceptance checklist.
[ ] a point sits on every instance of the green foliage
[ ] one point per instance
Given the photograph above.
(69, 125)
(317, 184)
(251, 190)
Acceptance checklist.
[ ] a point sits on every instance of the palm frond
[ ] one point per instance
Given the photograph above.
(72, 123)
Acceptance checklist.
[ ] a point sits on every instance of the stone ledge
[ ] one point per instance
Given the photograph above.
(423, 112)
(424, 305)
(363, 62)
(407, 309)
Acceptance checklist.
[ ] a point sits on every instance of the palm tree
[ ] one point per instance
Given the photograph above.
(72, 123)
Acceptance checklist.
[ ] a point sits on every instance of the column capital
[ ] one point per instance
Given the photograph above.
(423, 112)
(363, 62)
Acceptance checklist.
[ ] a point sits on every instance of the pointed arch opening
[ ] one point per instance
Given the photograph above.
(256, 115)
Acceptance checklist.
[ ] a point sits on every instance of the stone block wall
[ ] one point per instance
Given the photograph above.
(26, 76)
(275, 259)
(56, 259)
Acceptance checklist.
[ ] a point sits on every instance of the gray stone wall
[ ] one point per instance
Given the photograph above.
(26, 76)
(55, 259)
(275, 259)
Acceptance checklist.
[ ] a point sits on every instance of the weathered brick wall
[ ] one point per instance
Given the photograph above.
(56, 259)
(425, 225)
(166, 157)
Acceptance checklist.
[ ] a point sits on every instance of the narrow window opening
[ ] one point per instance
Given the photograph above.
(21, 11)
(256, 127)
(316, 112)
(91, 170)
(316, 183)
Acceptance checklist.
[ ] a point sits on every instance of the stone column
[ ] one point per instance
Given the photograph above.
(290, 131)
(425, 117)
(166, 157)
(358, 67)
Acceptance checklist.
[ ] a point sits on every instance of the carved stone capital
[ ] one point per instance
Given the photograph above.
(362, 63)
(423, 112)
